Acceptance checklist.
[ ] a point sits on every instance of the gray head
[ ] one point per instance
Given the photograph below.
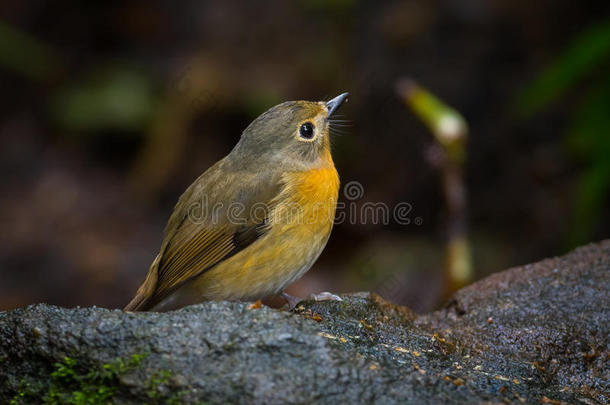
(293, 135)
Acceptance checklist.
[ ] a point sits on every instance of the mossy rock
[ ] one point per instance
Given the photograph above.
(529, 334)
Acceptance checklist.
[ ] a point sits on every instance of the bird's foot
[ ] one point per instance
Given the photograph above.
(323, 296)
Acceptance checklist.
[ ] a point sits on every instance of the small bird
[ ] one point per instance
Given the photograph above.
(255, 221)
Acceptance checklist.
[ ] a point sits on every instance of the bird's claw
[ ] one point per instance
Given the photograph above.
(325, 296)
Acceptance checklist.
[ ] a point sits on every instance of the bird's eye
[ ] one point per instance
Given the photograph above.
(306, 130)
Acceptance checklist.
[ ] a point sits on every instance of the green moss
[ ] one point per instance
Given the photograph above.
(69, 384)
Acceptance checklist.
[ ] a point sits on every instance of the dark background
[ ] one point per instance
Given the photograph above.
(109, 110)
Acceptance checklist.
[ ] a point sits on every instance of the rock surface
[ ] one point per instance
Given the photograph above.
(538, 333)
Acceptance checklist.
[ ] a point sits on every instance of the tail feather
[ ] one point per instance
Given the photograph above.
(142, 300)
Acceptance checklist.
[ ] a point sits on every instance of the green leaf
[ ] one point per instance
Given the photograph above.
(26, 55)
(114, 98)
(581, 58)
(589, 138)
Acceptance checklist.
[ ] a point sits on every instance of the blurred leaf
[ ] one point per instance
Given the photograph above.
(446, 124)
(589, 138)
(450, 131)
(116, 98)
(590, 202)
(585, 54)
(25, 54)
(588, 135)
(329, 5)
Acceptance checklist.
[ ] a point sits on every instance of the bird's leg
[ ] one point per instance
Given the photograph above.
(291, 300)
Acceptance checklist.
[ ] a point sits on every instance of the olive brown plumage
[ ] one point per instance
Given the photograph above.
(256, 220)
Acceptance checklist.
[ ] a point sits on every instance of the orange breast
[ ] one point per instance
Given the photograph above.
(312, 194)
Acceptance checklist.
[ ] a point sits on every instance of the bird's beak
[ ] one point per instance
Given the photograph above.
(335, 103)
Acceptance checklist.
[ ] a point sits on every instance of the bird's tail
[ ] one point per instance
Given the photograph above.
(142, 300)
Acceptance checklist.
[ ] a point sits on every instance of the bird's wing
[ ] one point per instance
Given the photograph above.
(213, 220)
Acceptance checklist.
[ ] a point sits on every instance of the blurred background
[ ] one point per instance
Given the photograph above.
(109, 110)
